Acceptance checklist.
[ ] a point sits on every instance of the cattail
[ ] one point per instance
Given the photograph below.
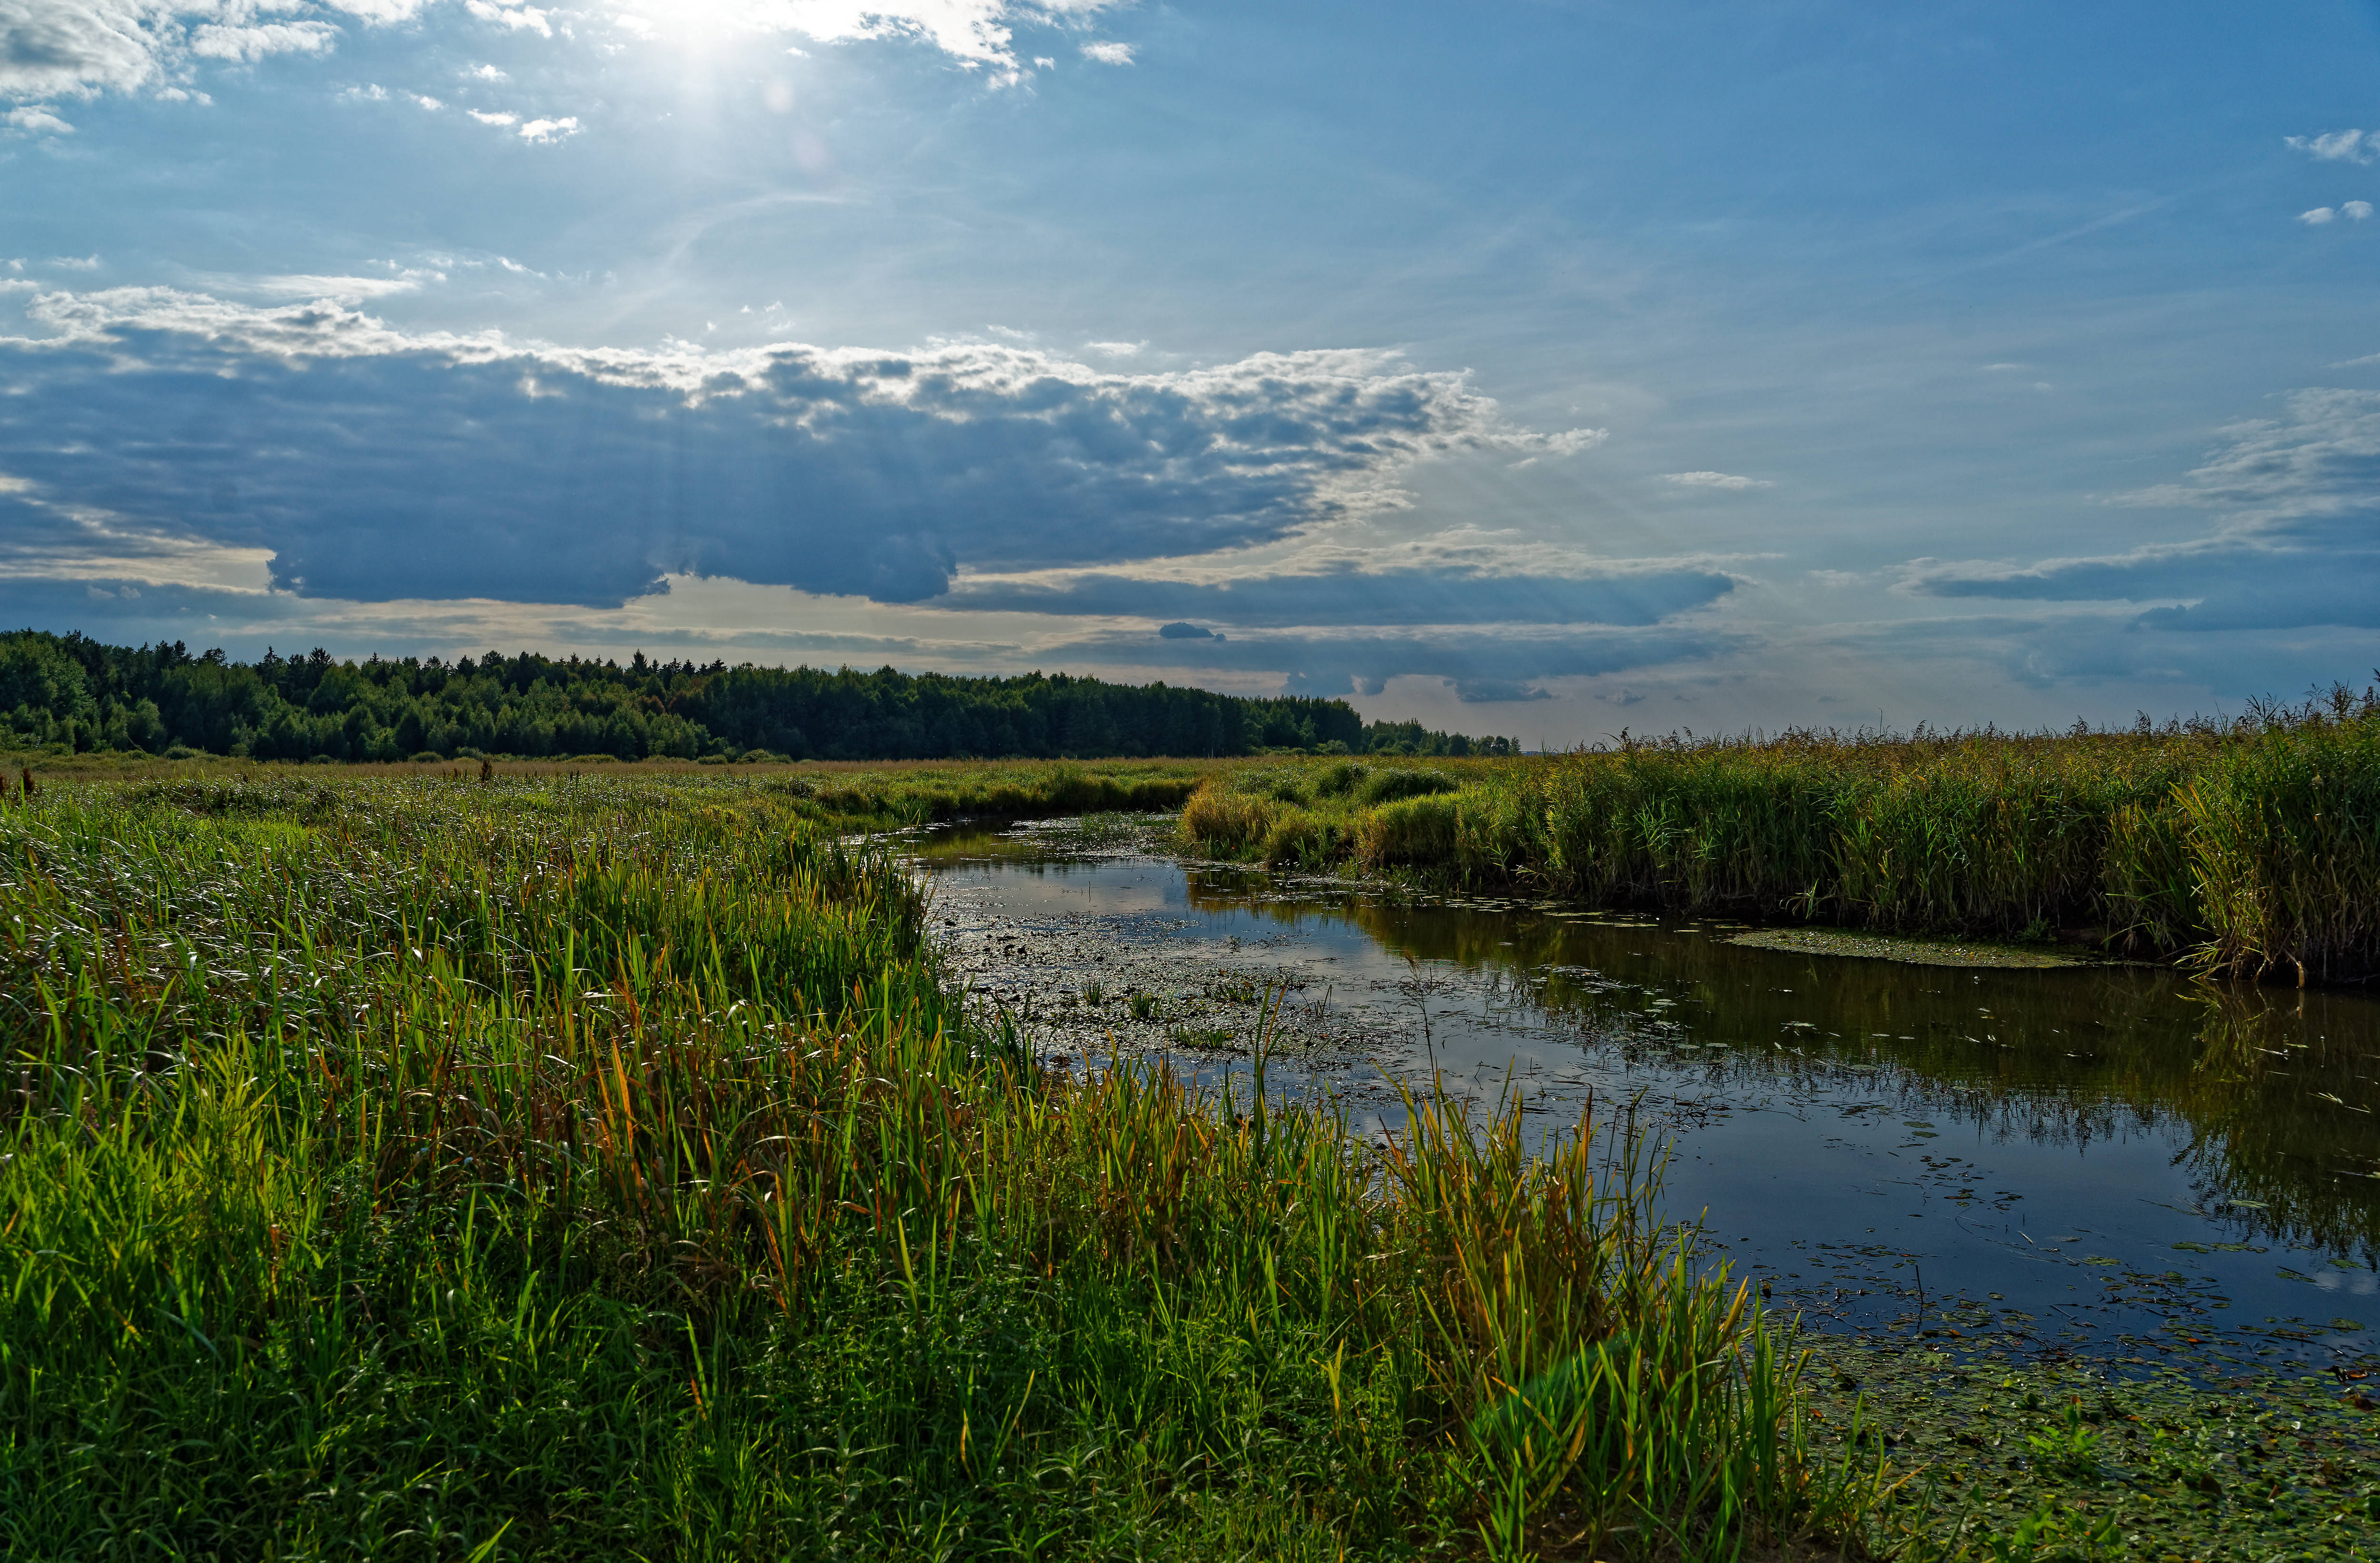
(487, 769)
(27, 772)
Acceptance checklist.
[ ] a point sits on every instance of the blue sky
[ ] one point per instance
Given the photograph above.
(1538, 368)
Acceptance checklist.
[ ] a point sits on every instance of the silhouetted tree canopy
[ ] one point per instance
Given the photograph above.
(75, 694)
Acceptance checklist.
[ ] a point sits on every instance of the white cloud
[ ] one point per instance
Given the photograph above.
(339, 289)
(542, 131)
(246, 45)
(2359, 210)
(1715, 480)
(36, 119)
(380, 12)
(977, 33)
(2338, 146)
(433, 104)
(512, 14)
(371, 93)
(1108, 53)
(2318, 216)
(79, 48)
(486, 73)
(76, 262)
(1116, 349)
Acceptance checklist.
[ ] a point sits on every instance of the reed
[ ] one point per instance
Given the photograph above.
(2251, 848)
(597, 1166)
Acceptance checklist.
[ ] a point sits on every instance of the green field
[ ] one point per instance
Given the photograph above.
(405, 1164)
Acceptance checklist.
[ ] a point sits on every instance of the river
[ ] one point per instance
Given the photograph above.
(2083, 1159)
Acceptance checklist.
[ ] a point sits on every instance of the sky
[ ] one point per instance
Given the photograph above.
(1544, 368)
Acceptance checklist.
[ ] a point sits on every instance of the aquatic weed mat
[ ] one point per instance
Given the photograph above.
(2087, 1456)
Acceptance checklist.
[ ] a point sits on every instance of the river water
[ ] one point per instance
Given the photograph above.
(2106, 1161)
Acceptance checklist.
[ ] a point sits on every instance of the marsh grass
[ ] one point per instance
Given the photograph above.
(2249, 848)
(597, 1167)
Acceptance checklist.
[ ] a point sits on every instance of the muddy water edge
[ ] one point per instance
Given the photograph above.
(2089, 1242)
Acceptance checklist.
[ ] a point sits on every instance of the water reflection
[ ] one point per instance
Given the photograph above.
(2112, 1158)
(2271, 1086)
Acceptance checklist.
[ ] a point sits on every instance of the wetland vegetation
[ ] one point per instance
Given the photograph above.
(2250, 847)
(455, 1159)
(600, 1166)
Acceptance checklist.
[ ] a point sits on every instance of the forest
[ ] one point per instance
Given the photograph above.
(74, 694)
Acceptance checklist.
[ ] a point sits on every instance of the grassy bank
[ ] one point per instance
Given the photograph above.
(595, 1167)
(2253, 849)
(876, 794)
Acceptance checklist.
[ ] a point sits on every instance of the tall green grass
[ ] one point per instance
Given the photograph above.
(573, 1168)
(2250, 848)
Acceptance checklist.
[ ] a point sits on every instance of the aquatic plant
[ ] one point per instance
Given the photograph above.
(2251, 848)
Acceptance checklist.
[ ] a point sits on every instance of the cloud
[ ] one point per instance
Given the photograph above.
(1715, 480)
(545, 130)
(246, 45)
(2338, 146)
(487, 117)
(375, 464)
(340, 289)
(75, 262)
(1435, 595)
(36, 119)
(978, 34)
(1501, 665)
(486, 73)
(2354, 211)
(1179, 631)
(512, 14)
(2299, 547)
(1109, 54)
(82, 48)
(1487, 691)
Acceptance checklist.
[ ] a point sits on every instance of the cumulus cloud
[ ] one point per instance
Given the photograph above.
(36, 119)
(2338, 146)
(2299, 545)
(80, 48)
(2318, 216)
(976, 34)
(1108, 53)
(512, 14)
(376, 464)
(2357, 210)
(1715, 480)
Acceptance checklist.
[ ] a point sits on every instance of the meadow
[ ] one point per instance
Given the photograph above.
(2249, 848)
(412, 1164)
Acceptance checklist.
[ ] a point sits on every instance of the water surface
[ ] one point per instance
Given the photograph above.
(2112, 1160)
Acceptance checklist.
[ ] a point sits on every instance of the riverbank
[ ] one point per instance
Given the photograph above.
(1994, 1192)
(595, 1165)
(2251, 849)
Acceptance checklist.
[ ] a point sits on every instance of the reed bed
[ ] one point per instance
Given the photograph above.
(598, 1167)
(2251, 849)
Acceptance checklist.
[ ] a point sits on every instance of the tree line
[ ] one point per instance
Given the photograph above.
(70, 693)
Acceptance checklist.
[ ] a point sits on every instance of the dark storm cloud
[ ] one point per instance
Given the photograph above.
(1429, 596)
(376, 465)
